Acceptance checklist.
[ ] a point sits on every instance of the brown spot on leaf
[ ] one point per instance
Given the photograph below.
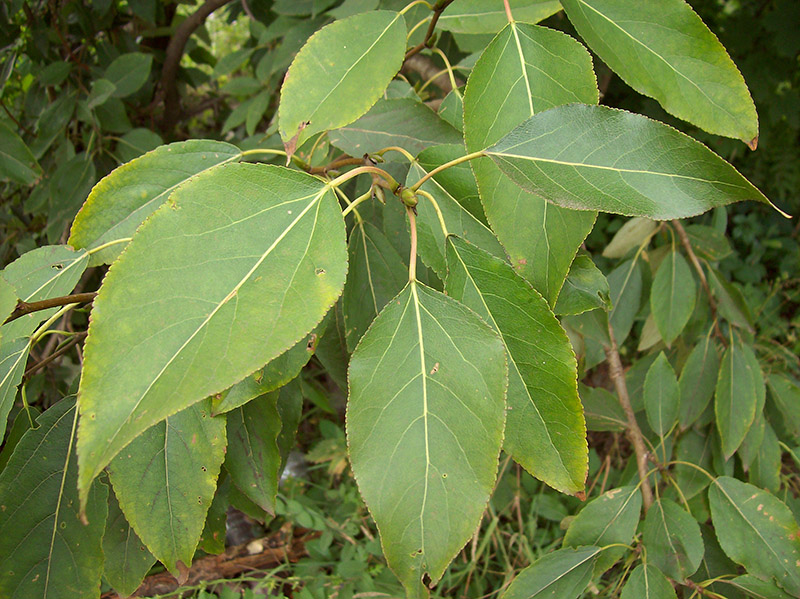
(435, 368)
(753, 143)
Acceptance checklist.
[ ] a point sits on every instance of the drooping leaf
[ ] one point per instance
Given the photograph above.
(252, 458)
(45, 550)
(731, 303)
(695, 448)
(647, 582)
(127, 560)
(610, 518)
(340, 73)
(402, 122)
(698, 380)
(765, 470)
(376, 273)
(667, 53)
(458, 180)
(212, 539)
(17, 163)
(602, 410)
(69, 186)
(631, 235)
(478, 16)
(708, 242)
(756, 530)
(784, 393)
(563, 574)
(526, 70)
(129, 72)
(736, 396)
(545, 430)
(618, 162)
(122, 200)
(165, 481)
(424, 425)
(457, 220)
(672, 296)
(223, 306)
(625, 285)
(673, 540)
(662, 396)
(585, 288)
(290, 410)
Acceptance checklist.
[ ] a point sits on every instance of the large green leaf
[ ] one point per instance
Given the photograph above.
(340, 73)
(526, 70)
(545, 429)
(698, 380)
(662, 396)
(757, 530)
(127, 560)
(129, 72)
(425, 425)
(165, 481)
(17, 163)
(123, 199)
(375, 275)
(480, 16)
(647, 582)
(252, 458)
(673, 540)
(600, 158)
(563, 574)
(666, 52)
(672, 296)
(457, 219)
(45, 550)
(736, 396)
(242, 286)
(610, 518)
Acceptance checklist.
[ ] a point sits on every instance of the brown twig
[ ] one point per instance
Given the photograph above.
(75, 339)
(24, 308)
(336, 164)
(617, 375)
(438, 9)
(429, 70)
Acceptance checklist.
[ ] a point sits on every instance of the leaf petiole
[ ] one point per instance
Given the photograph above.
(445, 166)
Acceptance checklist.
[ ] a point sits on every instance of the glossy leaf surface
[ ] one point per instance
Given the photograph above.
(424, 426)
(563, 574)
(672, 296)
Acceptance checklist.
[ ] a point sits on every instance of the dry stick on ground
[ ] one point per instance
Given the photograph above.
(617, 375)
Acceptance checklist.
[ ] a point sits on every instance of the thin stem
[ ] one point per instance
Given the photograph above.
(695, 466)
(439, 214)
(356, 202)
(39, 333)
(412, 261)
(403, 151)
(445, 166)
(393, 185)
(336, 164)
(267, 151)
(509, 16)
(24, 308)
(413, 4)
(634, 432)
(76, 338)
(417, 26)
(450, 73)
(437, 9)
(108, 244)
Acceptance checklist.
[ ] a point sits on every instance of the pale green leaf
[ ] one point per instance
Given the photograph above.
(129, 72)
(545, 429)
(242, 286)
(45, 550)
(757, 530)
(127, 560)
(608, 519)
(252, 458)
(632, 234)
(424, 426)
(563, 574)
(736, 396)
(129, 194)
(525, 70)
(647, 582)
(730, 301)
(600, 158)
(698, 380)
(672, 296)
(662, 396)
(666, 52)
(708, 242)
(673, 540)
(165, 481)
(480, 16)
(585, 288)
(340, 73)
(17, 163)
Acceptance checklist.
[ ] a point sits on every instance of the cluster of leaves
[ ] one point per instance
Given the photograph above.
(429, 261)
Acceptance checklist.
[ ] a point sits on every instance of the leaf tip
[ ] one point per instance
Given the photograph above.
(753, 143)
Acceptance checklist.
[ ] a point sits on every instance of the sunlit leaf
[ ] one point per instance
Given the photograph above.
(479, 16)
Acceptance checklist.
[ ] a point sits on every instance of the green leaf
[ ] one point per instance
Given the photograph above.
(632, 234)
(375, 275)
(765, 470)
(625, 285)
(451, 109)
(290, 410)
(479, 16)
(608, 519)
(252, 458)
(618, 162)
(602, 410)
(129, 72)
(13, 356)
(102, 89)
(424, 425)
(708, 242)
(458, 179)
(695, 448)
(756, 530)
(545, 430)
(662, 396)
(731, 303)
(784, 393)
(127, 560)
(457, 220)
(757, 588)
(673, 540)
(672, 296)
(157, 335)
(585, 288)
(69, 186)
(736, 396)
(45, 550)
(698, 380)
(666, 52)
(17, 163)
(526, 70)
(402, 122)
(165, 481)
(121, 201)
(22, 424)
(212, 539)
(563, 574)
(8, 301)
(647, 582)
(340, 73)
